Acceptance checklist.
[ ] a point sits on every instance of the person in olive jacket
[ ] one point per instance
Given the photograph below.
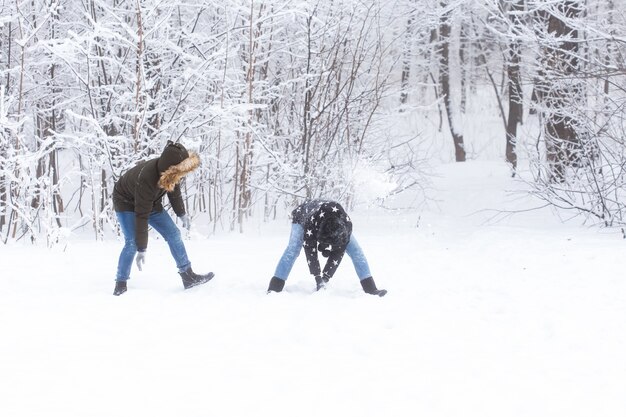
(137, 201)
(322, 226)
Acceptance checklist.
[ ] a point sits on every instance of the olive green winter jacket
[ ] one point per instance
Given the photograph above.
(138, 190)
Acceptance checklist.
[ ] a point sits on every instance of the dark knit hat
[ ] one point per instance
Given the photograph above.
(334, 235)
(173, 154)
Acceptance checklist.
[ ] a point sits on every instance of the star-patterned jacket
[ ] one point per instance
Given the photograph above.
(310, 215)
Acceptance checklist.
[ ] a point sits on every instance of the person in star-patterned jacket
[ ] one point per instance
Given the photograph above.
(322, 226)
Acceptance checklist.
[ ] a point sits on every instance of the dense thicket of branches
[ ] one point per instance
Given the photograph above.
(286, 100)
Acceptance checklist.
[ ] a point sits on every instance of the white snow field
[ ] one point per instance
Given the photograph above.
(487, 315)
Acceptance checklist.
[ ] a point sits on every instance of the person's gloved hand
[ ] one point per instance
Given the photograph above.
(140, 259)
(186, 221)
(320, 283)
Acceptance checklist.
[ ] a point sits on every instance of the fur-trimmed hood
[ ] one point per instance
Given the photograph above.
(172, 175)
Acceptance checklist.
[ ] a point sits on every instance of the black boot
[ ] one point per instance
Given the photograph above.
(191, 279)
(370, 287)
(120, 288)
(276, 285)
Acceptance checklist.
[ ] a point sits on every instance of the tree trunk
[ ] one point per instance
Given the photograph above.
(306, 113)
(514, 86)
(406, 61)
(245, 191)
(558, 94)
(139, 75)
(444, 81)
(463, 64)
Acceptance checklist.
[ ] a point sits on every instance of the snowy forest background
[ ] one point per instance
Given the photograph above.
(286, 100)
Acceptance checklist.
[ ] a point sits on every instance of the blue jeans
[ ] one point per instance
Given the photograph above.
(296, 239)
(162, 223)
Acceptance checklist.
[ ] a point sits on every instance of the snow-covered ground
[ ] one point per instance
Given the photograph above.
(487, 315)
